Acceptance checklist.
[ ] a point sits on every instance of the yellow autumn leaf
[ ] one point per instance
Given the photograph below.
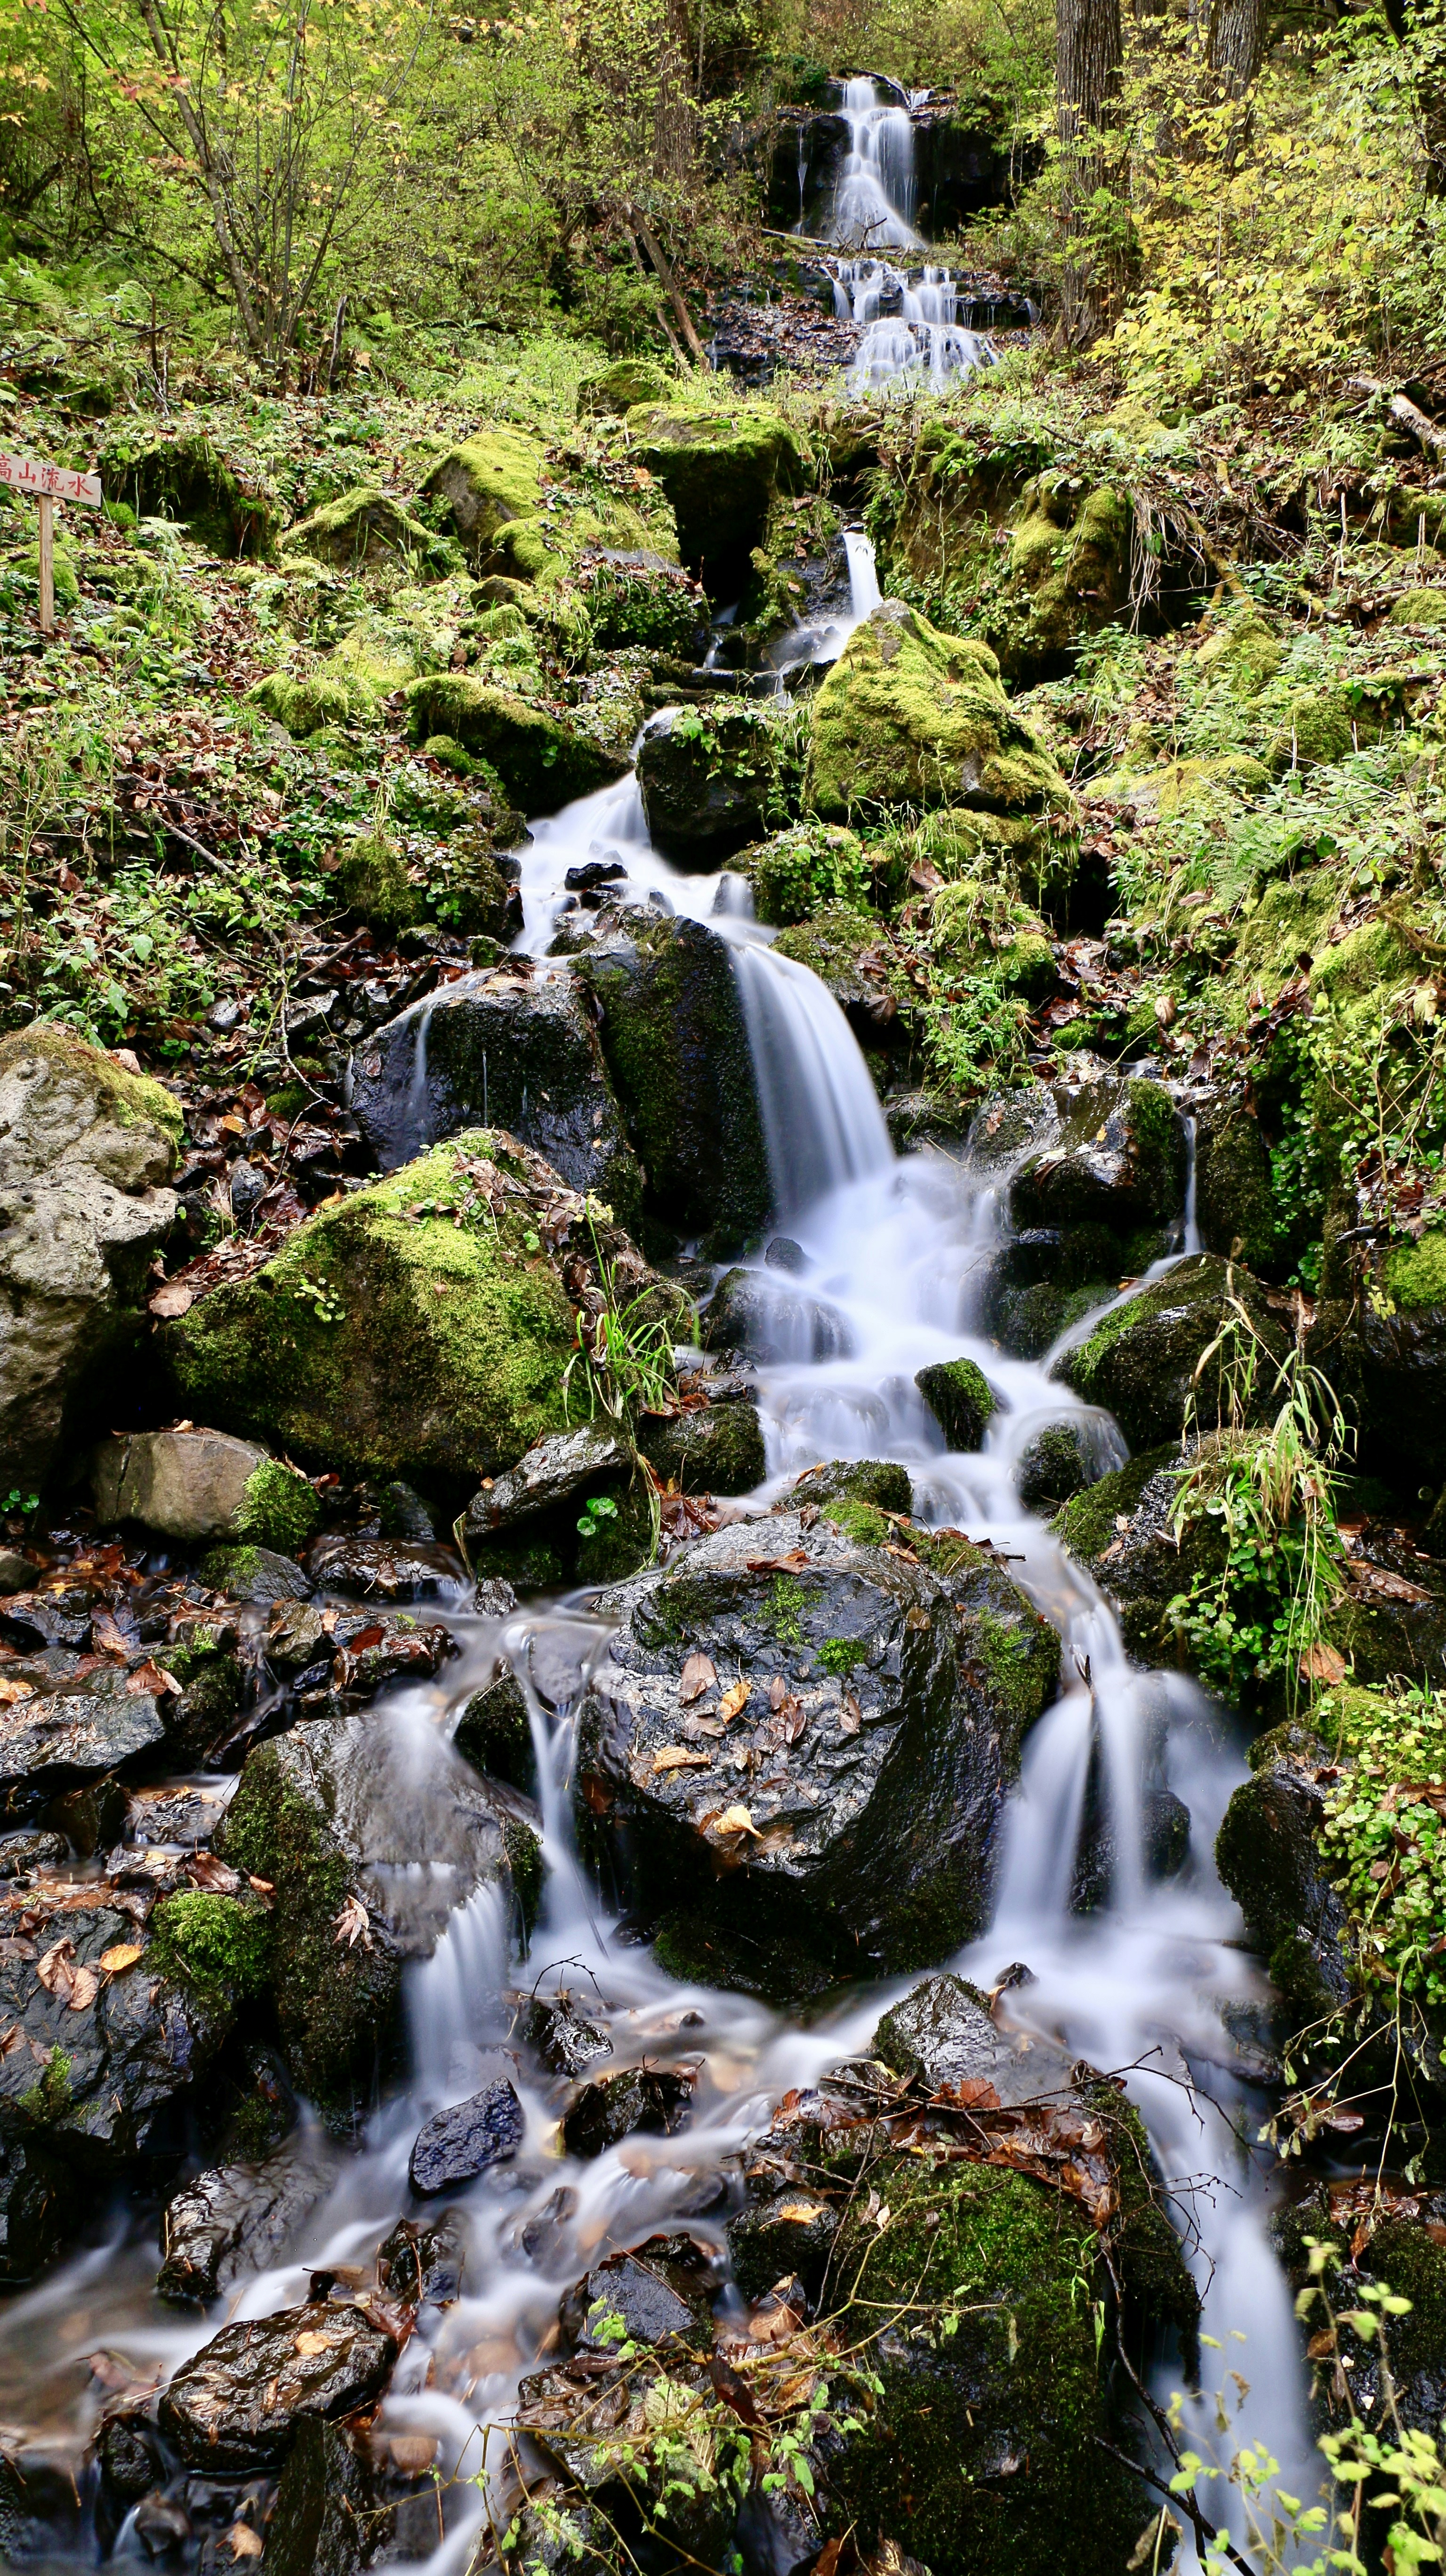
(311, 2343)
(737, 1820)
(120, 1956)
(680, 1757)
(736, 1696)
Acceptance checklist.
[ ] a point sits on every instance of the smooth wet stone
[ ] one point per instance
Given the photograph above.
(234, 2220)
(185, 1485)
(639, 2099)
(323, 2515)
(38, 2209)
(16, 1572)
(73, 1735)
(238, 2403)
(655, 2299)
(296, 1636)
(1140, 1361)
(458, 2144)
(22, 1853)
(717, 1449)
(944, 2033)
(1052, 1466)
(551, 1473)
(382, 1569)
(494, 1733)
(1095, 1145)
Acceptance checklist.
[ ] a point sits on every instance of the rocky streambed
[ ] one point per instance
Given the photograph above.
(623, 1925)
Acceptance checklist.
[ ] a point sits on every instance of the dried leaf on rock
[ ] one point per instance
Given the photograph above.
(696, 1677)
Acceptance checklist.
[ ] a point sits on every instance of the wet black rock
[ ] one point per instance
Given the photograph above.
(128, 2456)
(383, 1569)
(506, 1048)
(789, 2237)
(658, 2301)
(456, 2145)
(718, 1449)
(551, 1472)
(961, 1400)
(705, 786)
(566, 2043)
(677, 1046)
(23, 1853)
(1095, 1145)
(73, 1735)
(323, 2521)
(494, 1733)
(807, 1739)
(773, 1322)
(1270, 1856)
(647, 2099)
(1052, 1466)
(1140, 1361)
(94, 2053)
(425, 2261)
(1235, 1205)
(238, 2404)
(234, 2220)
(944, 2032)
(296, 1637)
(37, 2209)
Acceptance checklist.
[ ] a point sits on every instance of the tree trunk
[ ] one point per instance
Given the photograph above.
(1237, 40)
(1089, 52)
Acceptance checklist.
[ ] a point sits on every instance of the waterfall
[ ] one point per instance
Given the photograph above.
(864, 591)
(874, 199)
(923, 342)
(815, 642)
(821, 1117)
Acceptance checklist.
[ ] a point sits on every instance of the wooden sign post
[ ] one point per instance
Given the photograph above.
(49, 484)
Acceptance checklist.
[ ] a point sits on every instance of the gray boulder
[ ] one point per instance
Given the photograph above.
(457, 2144)
(85, 1151)
(184, 1484)
(74, 1734)
(944, 2032)
(1096, 1145)
(514, 1047)
(806, 1742)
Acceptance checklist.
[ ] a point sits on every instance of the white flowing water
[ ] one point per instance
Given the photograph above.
(923, 343)
(818, 641)
(1144, 1984)
(873, 203)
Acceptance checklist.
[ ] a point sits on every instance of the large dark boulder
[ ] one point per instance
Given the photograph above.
(509, 1047)
(805, 1740)
(675, 1039)
(1270, 1855)
(1094, 1146)
(1140, 1362)
(771, 1319)
(720, 469)
(90, 1726)
(705, 778)
(1380, 1336)
(234, 2220)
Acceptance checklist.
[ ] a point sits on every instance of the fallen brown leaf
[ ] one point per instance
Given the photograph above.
(120, 1956)
(736, 1697)
(679, 1757)
(697, 1677)
(56, 1970)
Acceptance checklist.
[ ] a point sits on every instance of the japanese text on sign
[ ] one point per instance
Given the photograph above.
(52, 482)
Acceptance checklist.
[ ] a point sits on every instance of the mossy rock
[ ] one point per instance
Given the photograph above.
(1319, 728)
(362, 528)
(280, 1508)
(476, 1328)
(960, 1398)
(676, 1043)
(621, 387)
(220, 1945)
(1234, 1196)
(719, 1450)
(373, 883)
(1031, 857)
(878, 1485)
(797, 872)
(1195, 786)
(1013, 2379)
(449, 754)
(911, 716)
(132, 1102)
(1141, 1358)
(66, 575)
(489, 482)
(1420, 608)
(309, 706)
(1245, 655)
(541, 761)
(720, 469)
(227, 506)
(1069, 572)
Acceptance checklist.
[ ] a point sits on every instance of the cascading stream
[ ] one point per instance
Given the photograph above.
(898, 1249)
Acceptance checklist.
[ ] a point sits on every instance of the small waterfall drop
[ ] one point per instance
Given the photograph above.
(821, 1117)
(874, 200)
(919, 341)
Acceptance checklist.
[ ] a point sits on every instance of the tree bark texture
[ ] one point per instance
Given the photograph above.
(1089, 53)
(1237, 40)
